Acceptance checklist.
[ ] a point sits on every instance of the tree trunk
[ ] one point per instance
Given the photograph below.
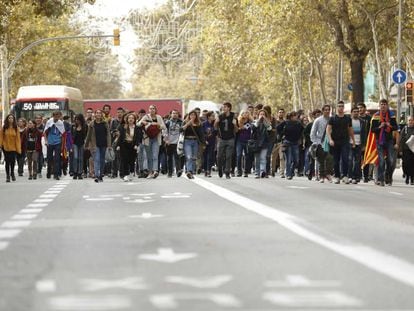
(321, 82)
(357, 73)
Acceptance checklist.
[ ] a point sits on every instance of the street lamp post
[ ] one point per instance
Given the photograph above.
(399, 58)
(4, 80)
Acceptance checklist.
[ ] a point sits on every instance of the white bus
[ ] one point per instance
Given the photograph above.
(44, 99)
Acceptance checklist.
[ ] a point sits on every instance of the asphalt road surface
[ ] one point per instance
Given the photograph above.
(205, 244)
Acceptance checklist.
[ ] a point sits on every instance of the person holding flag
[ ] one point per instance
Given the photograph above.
(383, 124)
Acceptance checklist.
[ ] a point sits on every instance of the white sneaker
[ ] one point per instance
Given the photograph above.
(337, 181)
(346, 180)
(126, 179)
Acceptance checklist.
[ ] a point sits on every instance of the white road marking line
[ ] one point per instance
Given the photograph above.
(312, 299)
(46, 286)
(37, 205)
(9, 234)
(111, 195)
(31, 210)
(16, 224)
(143, 194)
(86, 196)
(46, 196)
(176, 195)
(89, 303)
(99, 199)
(293, 281)
(24, 216)
(386, 264)
(53, 192)
(43, 200)
(139, 201)
(94, 285)
(297, 187)
(3, 245)
(145, 216)
(205, 282)
(170, 301)
(396, 193)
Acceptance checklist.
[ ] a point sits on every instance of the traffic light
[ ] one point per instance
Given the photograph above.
(117, 37)
(409, 92)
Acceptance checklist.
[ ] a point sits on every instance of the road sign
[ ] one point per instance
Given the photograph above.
(399, 76)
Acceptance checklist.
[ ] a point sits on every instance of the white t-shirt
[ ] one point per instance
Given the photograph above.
(356, 125)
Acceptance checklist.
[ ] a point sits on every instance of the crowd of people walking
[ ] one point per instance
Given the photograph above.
(323, 146)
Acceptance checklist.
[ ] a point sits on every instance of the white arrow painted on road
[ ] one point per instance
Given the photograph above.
(206, 282)
(146, 216)
(167, 255)
(169, 301)
(93, 285)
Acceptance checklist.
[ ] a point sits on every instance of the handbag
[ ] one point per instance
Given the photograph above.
(109, 155)
(410, 143)
(252, 146)
(180, 144)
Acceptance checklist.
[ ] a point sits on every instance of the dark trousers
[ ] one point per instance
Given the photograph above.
(340, 154)
(246, 165)
(54, 159)
(20, 162)
(225, 155)
(10, 161)
(325, 162)
(209, 157)
(128, 156)
(172, 157)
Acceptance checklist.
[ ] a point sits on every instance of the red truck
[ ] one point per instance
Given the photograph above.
(164, 106)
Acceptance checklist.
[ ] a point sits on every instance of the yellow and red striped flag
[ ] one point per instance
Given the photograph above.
(371, 154)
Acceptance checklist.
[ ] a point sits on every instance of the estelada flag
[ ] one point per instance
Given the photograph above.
(371, 154)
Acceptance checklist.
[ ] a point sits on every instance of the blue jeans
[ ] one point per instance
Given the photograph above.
(190, 152)
(99, 161)
(261, 161)
(78, 159)
(341, 159)
(382, 169)
(292, 159)
(152, 151)
(241, 147)
(355, 171)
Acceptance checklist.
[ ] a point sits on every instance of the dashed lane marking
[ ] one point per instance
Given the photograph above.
(16, 224)
(43, 200)
(9, 234)
(36, 205)
(31, 210)
(46, 286)
(3, 245)
(24, 216)
(88, 303)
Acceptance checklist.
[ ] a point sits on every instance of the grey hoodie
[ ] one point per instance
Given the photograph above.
(318, 129)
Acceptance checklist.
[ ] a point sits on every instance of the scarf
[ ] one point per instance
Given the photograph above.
(385, 129)
(59, 125)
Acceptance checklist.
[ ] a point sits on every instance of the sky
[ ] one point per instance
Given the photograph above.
(107, 15)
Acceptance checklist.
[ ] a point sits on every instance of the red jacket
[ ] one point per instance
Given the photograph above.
(32, 134)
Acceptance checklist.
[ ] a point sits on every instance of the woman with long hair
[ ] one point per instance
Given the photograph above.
(98, 139)
(243, 135)
(32, 147)
(261, 129)
(11, 144)
(193, 137)
(79, 131)
(130, 137)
